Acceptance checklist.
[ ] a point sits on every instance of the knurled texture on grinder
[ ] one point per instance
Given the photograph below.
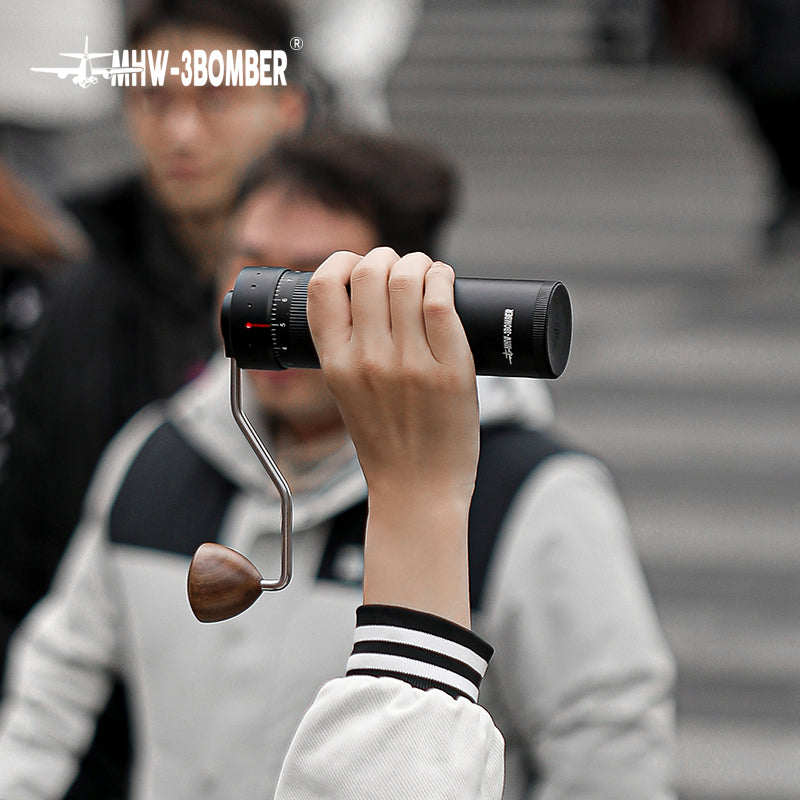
(541, 355)
(298, 318)
(297, 346)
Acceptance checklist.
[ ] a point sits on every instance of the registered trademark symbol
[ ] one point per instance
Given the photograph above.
(296, 43)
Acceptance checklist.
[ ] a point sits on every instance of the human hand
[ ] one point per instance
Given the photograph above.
(396, 358)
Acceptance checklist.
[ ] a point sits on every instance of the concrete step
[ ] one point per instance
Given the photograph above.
(734, 334)
(736, 696)
(727, 528)
(738, 761)
(579, 78)
(736, 448)
(734, 623)
(537, 24)
(608, 117)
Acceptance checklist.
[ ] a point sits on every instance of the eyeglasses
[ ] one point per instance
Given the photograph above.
(211, 102)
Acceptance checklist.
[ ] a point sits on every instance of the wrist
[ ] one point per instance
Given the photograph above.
(416, 553)
(406, 496)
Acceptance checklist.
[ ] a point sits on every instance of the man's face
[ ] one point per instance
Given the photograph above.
(280, 228)
(197, 141)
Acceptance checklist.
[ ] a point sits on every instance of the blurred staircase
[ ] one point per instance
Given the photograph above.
(641, 187)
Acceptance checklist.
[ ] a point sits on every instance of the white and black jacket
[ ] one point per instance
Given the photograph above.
(581, 680)
(404, 722)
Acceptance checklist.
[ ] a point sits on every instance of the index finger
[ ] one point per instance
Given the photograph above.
(328, 308)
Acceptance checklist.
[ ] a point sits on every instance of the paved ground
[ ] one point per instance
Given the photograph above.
(642, 188)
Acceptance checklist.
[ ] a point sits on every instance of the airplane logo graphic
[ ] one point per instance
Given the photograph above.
(86, 74)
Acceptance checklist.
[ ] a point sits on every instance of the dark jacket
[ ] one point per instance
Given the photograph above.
(129, 326)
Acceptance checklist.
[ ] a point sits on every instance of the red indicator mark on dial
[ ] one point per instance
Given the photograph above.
(249, 325)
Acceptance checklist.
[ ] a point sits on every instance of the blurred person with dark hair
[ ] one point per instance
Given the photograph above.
(135, 321)
(581, 682)
(755, 44)
(766, 74)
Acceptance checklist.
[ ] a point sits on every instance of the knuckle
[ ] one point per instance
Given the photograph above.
(383, 253)
(321, 282)
(417, 377)
(361, 275)
(409, 271)
(440, 268)
(334, 368)
(401, 281)
(437, 307)
(369, 368)
(451, 381)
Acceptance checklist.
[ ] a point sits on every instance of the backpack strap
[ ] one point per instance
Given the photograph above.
(343, 556)
(508, 455)
(172, 499)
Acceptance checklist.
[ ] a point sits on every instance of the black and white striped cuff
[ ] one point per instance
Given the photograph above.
(424, 650)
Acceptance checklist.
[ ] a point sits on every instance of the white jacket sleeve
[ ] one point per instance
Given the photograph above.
(403, 723)
(583, 676)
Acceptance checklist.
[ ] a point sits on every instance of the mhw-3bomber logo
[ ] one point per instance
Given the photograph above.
(86, 73)
(198, 68)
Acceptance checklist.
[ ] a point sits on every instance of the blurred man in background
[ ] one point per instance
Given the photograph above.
(582, 681)
(135, 322)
